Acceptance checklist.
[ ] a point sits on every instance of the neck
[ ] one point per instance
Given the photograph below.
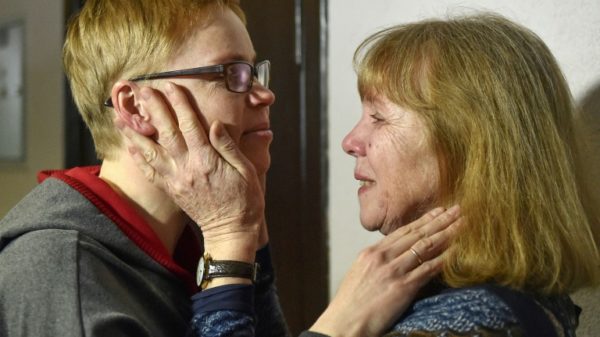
(160, 212)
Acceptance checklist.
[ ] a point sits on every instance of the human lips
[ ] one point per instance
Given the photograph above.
(363, 180)
(259, 129)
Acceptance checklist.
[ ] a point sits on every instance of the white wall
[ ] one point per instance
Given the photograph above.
(44, 107)
(571, 29)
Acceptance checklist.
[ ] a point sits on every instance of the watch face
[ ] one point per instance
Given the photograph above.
(201, 270)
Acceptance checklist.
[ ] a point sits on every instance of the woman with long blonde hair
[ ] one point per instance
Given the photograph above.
(490, 105)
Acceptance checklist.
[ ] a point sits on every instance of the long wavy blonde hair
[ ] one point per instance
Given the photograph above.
(502, 121)
(113, 39)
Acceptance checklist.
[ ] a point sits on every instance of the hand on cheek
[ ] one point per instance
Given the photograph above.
(206, 175)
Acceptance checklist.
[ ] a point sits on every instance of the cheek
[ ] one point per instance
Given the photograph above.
(211, 106)
(408, 180)
(235, 133)
(232, 123)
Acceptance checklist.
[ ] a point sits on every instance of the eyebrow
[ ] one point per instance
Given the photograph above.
(236, 57)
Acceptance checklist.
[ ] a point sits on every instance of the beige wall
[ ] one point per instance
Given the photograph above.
(44, 92)
(570, 28)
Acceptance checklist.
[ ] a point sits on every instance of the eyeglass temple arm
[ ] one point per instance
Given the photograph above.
(176, 73)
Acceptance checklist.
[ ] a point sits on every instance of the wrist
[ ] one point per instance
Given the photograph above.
(331, 324)
(239, 247)
(235, 248)
(223, 281)
(212, 273)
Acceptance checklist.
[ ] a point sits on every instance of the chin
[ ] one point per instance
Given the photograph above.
(259, 157)
(370, 226)
(261, 164)
(384, 228)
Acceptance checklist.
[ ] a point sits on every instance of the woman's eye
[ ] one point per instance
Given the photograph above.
(376, 118)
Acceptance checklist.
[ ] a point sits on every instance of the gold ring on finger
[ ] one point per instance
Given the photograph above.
(417, 256)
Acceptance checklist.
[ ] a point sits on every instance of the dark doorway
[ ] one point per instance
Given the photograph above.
(290, 34)
(79, 144)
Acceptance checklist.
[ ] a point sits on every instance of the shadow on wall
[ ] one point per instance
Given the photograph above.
(590, 112)
(589, 120)
(589, 299)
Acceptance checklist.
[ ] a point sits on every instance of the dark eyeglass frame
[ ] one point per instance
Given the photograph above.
(262, 77)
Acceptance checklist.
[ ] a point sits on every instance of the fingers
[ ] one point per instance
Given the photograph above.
(148, 171)
(426, 218)
(430, 223)
(417, 224)
(191, 129)
(442, 221)
(148, 156)
(417, 255)
(228, 149)
(178, 126)
(422, 274)
(429, 248)
(433, 221)
(432, 246)
(413, 248)
(154, 105)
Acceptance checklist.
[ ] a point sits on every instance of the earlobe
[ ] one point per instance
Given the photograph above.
(126, 96)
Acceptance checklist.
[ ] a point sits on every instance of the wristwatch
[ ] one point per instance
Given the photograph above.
(209, 269)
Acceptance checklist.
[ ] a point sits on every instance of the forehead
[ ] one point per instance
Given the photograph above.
(379, 102)
(221, 39)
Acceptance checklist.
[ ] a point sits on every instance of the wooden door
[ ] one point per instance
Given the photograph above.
(289, 33)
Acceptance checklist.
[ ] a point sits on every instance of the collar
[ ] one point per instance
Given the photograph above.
(187, 253)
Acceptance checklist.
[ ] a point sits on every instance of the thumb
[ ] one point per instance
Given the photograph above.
(228, 149)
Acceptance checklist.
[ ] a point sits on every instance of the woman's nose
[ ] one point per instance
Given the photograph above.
(261, 95)
(353, 143)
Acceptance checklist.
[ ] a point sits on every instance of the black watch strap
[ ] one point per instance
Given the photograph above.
(226, 268)
(209, 269)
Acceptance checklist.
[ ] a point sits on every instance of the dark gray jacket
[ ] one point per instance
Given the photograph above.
(67, 270)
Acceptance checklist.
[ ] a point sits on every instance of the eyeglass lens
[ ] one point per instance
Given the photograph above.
(263, 70)
(239, 76)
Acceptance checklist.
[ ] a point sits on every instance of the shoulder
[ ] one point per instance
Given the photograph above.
(43, 261)
(37, 258)
(51, 205)
(40, 246)
(459, 310)
(38, 275)
(97, 292)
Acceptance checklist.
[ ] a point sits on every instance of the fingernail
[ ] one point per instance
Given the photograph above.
(169, 88)
(145, 92)
(453, 210)
(436, 211)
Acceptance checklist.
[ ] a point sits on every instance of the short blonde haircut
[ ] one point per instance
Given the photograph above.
(113, 39)
(501, 119)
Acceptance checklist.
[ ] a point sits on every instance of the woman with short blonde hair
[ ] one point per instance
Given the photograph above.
(129, 38)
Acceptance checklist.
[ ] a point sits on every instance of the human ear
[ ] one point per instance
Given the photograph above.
(126, 98)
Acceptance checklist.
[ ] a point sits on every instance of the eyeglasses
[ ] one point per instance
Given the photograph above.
(239, 76)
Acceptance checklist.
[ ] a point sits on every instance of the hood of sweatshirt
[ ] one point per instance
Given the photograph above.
(62, 202)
